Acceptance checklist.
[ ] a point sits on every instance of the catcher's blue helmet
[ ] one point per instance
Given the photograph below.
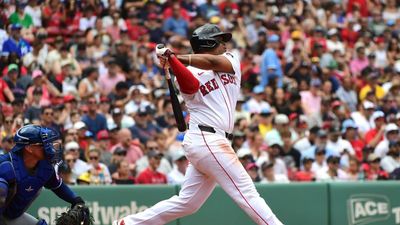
(35, 134)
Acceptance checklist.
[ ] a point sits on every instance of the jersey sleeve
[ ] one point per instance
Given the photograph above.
(234, 59)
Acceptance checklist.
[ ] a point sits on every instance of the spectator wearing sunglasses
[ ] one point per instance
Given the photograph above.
(118, 156)
(99, 173)
(47, 118)
(78, 166)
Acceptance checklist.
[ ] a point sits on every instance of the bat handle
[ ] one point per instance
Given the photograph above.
(167, 74)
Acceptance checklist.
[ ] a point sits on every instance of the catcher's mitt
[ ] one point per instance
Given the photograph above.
(77, 215)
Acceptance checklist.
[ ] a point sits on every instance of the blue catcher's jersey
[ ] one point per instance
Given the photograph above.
(23, 188)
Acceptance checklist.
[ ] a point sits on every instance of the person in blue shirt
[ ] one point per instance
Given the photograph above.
(271, 67)
(176, 25)
(26, 169)
(94, 121)
(15, 43)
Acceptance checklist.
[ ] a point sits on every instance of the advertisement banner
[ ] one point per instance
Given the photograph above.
(107, 203)
(376, 203)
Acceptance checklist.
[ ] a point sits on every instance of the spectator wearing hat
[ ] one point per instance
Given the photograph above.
(245, 156)
(151, 175)
(269, 175)
(305, 143)
(281, 124)
(274, 149)
(349, 133)
(332, 172)
(48, 89)
(271, 68)
(32, 113)
(144, 128)
(252, 170)
(99, 173)
(317, 42)
(14, 81)
(103, 144)
(238, 140)
(120, 119)
(288, 153)
(311, 102)
(134, 152)
(320, 145)
(373, 170)
(372, 84)
(89, 86)
(293, 45)
(113, 130)
(15, 44)
(391, 136)
(376, 134)
(143, 162)
(118, 156)
(347, 94)
(123, 174)
(362, 116)
(177, 175)
(256, 103)
(78, 166)
(264, 120)
(333, 43)
(65, 171)
(94, 121)
(136, 99)
(337, 144)
(305, 174)
(391, 160)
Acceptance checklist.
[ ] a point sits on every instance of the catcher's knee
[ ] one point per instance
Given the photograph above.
(41, 222)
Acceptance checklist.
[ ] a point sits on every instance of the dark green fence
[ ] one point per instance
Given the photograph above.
(295, 204)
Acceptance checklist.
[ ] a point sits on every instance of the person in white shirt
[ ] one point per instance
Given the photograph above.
(391, 136)
(332, 172)
(319, 162)
(391, 161)
(256, 104)
(177, 175)
(269, 176)
(307, 142)
(78, 166)
(361, 117)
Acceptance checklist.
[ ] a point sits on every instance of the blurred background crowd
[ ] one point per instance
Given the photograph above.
(319, 99)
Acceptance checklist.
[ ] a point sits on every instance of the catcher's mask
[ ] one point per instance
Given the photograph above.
(38, 135)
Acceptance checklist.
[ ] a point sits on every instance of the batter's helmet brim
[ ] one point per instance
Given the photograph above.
(225, 36)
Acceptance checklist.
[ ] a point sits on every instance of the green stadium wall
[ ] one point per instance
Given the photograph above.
(366, 203)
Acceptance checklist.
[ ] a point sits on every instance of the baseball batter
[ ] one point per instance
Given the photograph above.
(210, 86)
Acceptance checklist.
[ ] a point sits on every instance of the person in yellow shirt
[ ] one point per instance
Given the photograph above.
(265, 121)
(372, 85)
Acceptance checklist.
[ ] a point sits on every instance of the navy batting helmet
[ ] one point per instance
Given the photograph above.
(204, 37)
(35, 134)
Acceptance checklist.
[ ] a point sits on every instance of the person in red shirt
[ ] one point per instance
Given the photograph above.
(305, 174)
(349, 131)
(150, 175)
(375, 135)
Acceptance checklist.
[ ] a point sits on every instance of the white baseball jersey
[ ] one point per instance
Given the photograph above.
(215, 102)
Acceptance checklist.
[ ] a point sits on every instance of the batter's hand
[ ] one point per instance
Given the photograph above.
(163, 51)
(163, 62)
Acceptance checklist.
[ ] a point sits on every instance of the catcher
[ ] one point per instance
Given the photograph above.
(25, 170)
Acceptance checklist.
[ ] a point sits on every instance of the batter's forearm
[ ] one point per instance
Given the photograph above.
(216, 63)
(187, 82)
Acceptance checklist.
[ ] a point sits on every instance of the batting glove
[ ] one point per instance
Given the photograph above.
(163, 51)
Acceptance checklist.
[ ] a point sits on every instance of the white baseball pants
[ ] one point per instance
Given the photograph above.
(212, 161)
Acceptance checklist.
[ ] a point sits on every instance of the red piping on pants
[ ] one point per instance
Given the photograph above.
(230, 178)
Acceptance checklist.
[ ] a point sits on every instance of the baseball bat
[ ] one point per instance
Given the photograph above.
(176, 107)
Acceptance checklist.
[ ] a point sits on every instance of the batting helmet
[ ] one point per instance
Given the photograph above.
(204, 37)
(35, 134)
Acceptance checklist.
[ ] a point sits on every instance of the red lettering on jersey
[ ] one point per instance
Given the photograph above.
(203, 90)
(225, 79)
(209, 87)
(232, 79)
(215, 84)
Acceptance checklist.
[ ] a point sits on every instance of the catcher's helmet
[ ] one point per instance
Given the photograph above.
(35, 134)
(204, 37)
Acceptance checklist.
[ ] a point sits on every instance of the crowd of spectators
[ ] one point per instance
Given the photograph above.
(319, 98)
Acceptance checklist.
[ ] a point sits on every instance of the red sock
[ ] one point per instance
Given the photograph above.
(187, 82)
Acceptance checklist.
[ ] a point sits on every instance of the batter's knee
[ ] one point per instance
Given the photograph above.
(190, 206)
